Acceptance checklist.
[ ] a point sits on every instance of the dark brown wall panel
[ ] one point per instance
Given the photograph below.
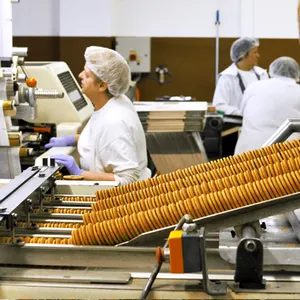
(72, 50)
(270, 49)
(190, 60)
(39, 48)
(192, 63)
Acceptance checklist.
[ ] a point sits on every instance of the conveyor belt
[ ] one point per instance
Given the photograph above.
(218, 188)
(125, 258)
(214, 191)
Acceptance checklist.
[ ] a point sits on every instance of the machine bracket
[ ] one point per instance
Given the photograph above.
(209, 287)
(11, 221)
(249, 264)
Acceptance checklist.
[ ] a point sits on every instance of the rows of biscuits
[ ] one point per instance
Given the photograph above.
(122, 213)
(120, 229)
(36, 240)
(210, 181)
(256, 158)
(62, 210)
(74, 198)
(196, 188)
(51, 224)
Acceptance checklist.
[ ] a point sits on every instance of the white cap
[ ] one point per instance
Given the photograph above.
(110, 67)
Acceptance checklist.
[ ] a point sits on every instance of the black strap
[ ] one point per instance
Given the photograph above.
(258, 77)
(241, 83)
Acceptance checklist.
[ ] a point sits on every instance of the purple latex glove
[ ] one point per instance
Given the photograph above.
(68, 140)
(69, 162)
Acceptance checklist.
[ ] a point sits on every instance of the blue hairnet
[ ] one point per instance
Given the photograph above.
(241, 47)
(285, 67)
(109, 66)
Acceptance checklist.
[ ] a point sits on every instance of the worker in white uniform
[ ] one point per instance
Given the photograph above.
(267, 104)
(112, 146)
(233, 81)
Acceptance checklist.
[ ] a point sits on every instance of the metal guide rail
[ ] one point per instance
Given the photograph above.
(234, 217)
(148, 240)
(34, 182)
(23, 186)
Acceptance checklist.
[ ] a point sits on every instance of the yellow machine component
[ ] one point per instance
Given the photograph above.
(176, 255)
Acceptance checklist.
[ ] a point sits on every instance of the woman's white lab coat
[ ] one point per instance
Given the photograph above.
(228, 93)
(113, 141)
(265, 106)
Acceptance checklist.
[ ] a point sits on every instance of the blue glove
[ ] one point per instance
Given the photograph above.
(69, 162)
(68, 140)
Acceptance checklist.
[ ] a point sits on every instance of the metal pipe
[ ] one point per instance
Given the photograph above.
(48, 94)
(27, 75)
(283, 132)
(217, 23)
(20, 51)
(249, 232)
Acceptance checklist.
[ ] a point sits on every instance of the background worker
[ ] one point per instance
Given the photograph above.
(112, 146)
(231, 85)
(233, 81)
(267, 104)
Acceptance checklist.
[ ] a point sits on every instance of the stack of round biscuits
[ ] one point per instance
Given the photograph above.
(37, 240)
(125, 212)
(73, 198)
(52, 224)
(62, 210)
(122, 213)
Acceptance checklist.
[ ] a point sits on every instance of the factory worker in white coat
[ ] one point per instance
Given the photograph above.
(267, 104)
(233, 81)
(112, 145)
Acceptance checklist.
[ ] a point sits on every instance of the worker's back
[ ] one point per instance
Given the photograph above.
(265, 106)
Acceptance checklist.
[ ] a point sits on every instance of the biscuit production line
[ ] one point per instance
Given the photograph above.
(106, 240)
(228, 228)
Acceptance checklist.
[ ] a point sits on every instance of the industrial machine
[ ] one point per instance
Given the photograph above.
(244, 248)
(50, 114)
(65, 116)
(18, 94)
(69, 113)
(250, 249)
(38, 100)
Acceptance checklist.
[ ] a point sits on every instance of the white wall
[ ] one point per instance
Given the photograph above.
(276, 18)
(36, 18)
(156, 18)
(85, 17)
(191, 18)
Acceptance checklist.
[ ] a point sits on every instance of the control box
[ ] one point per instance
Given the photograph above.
(136, 51)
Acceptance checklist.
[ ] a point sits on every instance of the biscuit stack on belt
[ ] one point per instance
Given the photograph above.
(122, 213)
(62, 210)
(52, 224)
(73, 198)
(37, 240)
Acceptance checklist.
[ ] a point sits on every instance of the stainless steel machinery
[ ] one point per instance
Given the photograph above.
(254, 249)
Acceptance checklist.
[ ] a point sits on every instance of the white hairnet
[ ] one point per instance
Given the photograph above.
(109, 66)
(241, 47)
(285, 67)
